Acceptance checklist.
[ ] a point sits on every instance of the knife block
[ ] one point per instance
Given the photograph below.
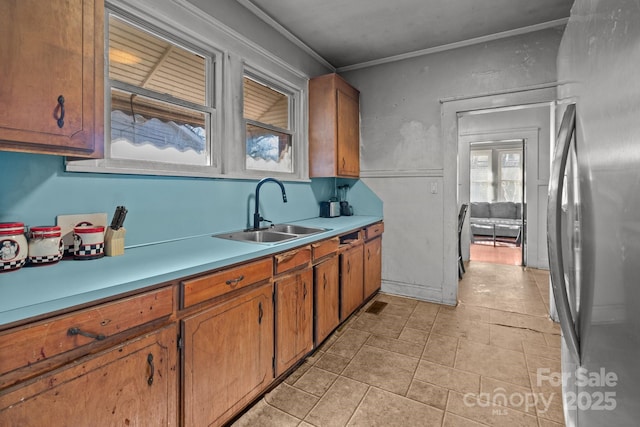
(114, 241)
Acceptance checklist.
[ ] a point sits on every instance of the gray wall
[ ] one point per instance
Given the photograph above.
(406, 157)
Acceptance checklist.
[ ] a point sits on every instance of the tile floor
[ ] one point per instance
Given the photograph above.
(422, 364)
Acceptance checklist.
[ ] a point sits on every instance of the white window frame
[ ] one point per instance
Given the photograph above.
(296, 120)
(210, 38)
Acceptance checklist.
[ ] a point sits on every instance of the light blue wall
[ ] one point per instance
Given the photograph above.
(37, 189)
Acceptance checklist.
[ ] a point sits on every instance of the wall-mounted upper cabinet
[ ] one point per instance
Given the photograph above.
(334, 128)
(51, 95)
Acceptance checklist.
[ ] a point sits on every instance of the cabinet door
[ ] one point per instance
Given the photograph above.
(294, 314)
(372, 266)
(351, 280)
(228, 356)
(327, 298)
(47, 53)
(132, 384)
(348, 135)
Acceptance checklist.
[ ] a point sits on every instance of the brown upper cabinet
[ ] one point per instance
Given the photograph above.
(334, 128)
(51, 96)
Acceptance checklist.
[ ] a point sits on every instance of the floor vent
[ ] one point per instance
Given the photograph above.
(376, 307)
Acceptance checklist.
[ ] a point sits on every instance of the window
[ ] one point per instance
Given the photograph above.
(188, 102)
(160, 108)
(510, 176)
(481, 176)
(496, 172)
(268, 127)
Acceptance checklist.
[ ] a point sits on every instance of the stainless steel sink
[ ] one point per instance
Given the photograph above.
(275, 234)
(296, 229)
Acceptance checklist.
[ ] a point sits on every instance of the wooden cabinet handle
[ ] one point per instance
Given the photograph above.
(78, 331)
(152, 368)
(304, 290)
(234, 282)
(60, 107)
(324, 281)
(348, 266)
(260, 313)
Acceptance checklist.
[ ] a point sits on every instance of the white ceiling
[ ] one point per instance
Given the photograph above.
(351, 33)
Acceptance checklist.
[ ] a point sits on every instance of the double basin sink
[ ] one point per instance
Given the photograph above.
(277, 233)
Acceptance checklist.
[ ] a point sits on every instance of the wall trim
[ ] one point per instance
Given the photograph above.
(409, 173)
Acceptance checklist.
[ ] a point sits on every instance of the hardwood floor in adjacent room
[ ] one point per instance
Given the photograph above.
(502, 253)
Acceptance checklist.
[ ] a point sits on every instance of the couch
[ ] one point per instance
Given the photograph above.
(495, 220)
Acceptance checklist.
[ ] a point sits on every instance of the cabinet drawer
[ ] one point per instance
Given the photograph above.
(324, 248)
(27, 345)
(213, 285)
(292, 259)
(374, 230)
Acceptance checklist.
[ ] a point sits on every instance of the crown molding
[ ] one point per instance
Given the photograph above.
(456, 45)
(286, 33)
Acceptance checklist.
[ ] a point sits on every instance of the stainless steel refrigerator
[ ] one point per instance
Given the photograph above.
(594, 214)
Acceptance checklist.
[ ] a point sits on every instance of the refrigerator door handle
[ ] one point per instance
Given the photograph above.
(554, 211)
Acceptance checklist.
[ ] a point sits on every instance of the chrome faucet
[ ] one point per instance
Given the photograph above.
(256, 216)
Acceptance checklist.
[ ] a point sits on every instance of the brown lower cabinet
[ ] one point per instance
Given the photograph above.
(294, 318)
(327, 298)
(372, 266)
(134, 383)
(351, 279)
(227, 356)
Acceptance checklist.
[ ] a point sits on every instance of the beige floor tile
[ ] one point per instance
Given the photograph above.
(349, 343)
(380, 324)
(443, 376)
(332, 363)
(423, 316)
(262, 414)
(508, 394)
(291, 400)
(535, 363)
(338, 404)
(441, 349)
(547, 423)
(465, 312)
(550, 404)
(384, 409)
(462, 328)
(300, 371)
(492, 361)
(381, 368)
(513, 338)
(534, 323)
(416, 336)
(541, 349)
(315, 381)
(553, 340)
(429, 394)
(453, 420)
(396, 345)
(467, 406)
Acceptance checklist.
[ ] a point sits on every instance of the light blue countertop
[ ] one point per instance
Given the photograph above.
(34, 291)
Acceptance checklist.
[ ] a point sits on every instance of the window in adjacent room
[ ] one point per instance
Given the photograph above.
(481, 176)
(269, 126)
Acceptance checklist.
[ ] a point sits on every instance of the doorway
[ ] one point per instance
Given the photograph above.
(496, 197)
